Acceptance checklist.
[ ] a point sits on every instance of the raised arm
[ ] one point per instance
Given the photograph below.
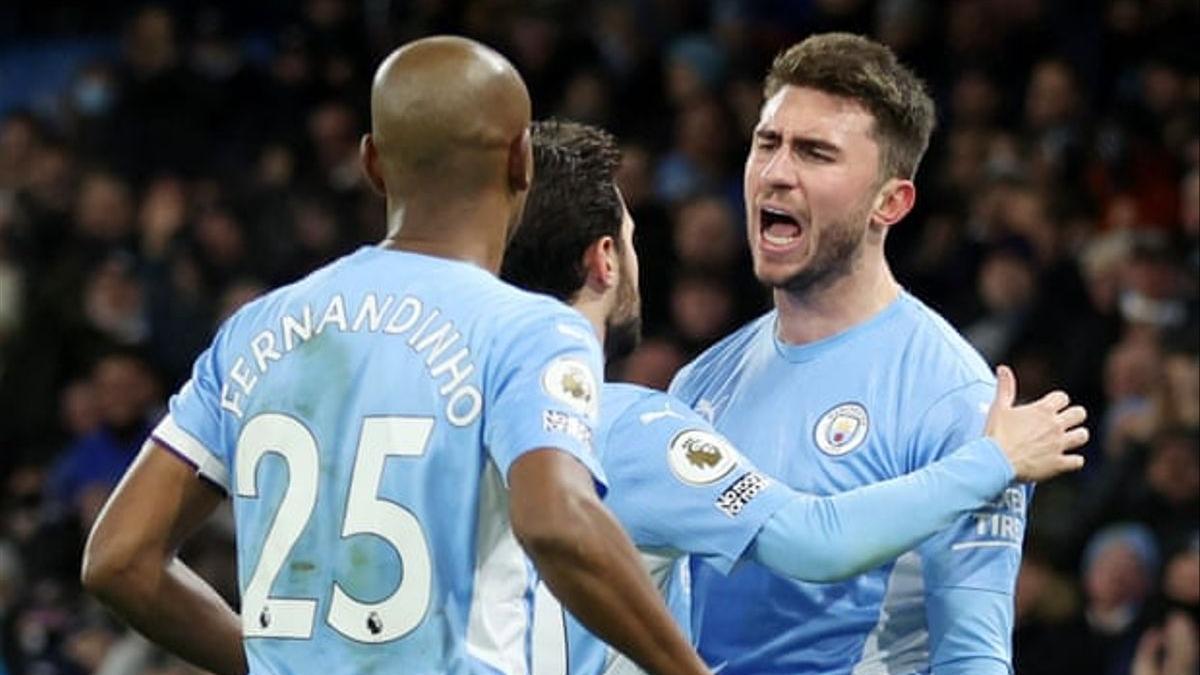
(129, 562)
(831, 538)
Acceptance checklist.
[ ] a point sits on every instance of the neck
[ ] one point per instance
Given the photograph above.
(592, 307)
(847, 302)
(471, 230)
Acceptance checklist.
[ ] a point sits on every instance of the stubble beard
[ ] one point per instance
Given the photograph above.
(623, 328)
(837, 254)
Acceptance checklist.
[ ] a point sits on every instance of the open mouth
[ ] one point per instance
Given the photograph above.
(779, 228)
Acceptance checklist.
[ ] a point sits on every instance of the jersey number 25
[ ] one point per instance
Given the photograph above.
(391, 618)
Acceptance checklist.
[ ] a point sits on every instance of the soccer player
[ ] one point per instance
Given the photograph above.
(392, 430)
(848, 381)
(677, 485)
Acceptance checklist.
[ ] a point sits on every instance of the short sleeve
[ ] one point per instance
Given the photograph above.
(192, 428)
(545, 391)
(677, 484)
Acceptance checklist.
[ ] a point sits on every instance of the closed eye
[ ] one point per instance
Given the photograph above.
(766, 140)
(816, 151)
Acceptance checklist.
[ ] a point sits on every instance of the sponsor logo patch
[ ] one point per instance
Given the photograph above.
(1000, 524)
(566, 423)
(700, 457)
(842, 429)
(571, 381)
(735, 497)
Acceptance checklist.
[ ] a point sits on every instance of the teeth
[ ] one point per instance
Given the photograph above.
(777, 212)
(779, 241)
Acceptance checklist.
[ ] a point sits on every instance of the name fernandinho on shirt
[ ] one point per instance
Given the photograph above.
(428, 335)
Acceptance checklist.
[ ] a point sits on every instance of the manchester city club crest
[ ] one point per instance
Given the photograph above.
(842, 429)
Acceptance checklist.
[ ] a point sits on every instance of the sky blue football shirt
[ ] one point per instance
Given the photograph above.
(877, 401)
(363, 420)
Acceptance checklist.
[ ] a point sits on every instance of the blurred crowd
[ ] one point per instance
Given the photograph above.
(207, 152)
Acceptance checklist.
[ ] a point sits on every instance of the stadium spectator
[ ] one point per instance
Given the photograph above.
(1120, 571)
(89, 468)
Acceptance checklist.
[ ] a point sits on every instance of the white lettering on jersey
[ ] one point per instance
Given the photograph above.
(464, 401)
(1001, 523)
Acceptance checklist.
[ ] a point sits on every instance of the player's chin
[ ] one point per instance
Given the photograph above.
(776, 274)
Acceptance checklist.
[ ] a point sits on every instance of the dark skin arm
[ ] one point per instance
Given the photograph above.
(589, 563)
(129, 562)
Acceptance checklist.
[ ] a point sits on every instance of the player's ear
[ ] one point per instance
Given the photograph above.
(893, 201)
(520, 162)
(368, 157)
(600, 262)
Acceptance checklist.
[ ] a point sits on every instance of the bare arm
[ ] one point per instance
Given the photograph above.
(589, 563)
(129, 563)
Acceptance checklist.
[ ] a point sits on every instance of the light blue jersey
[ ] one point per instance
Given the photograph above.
(681, 489)
(877, 401)
(677, 487)
(364, 420)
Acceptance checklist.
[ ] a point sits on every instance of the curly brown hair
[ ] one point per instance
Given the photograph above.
(854, 67)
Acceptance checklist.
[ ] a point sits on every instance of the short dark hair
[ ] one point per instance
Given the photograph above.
(865, 71)
(572, 203)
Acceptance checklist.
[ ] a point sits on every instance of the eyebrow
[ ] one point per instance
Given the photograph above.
(799, 142)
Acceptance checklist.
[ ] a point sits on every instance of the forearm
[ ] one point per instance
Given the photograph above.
(830, 538)
(177, 609)
(598, 576)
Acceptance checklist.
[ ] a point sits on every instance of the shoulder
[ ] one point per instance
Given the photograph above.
(622, 400)
(620, 397)
(726, 353)
(522, 314)
(945, 385)
(737, 341)
(643, 412)
(940, 352)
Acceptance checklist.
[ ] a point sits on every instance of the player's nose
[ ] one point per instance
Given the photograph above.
(779, 171)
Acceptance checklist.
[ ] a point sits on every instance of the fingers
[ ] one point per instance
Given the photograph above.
(1054, 401)
(1076, 438)
(1074, 462)
(1049, 467)
(1006, 387)
(1072, 417)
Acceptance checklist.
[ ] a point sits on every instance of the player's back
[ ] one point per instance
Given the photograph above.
(362, 428)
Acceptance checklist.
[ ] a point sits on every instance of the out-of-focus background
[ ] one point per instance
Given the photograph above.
(161, 164)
